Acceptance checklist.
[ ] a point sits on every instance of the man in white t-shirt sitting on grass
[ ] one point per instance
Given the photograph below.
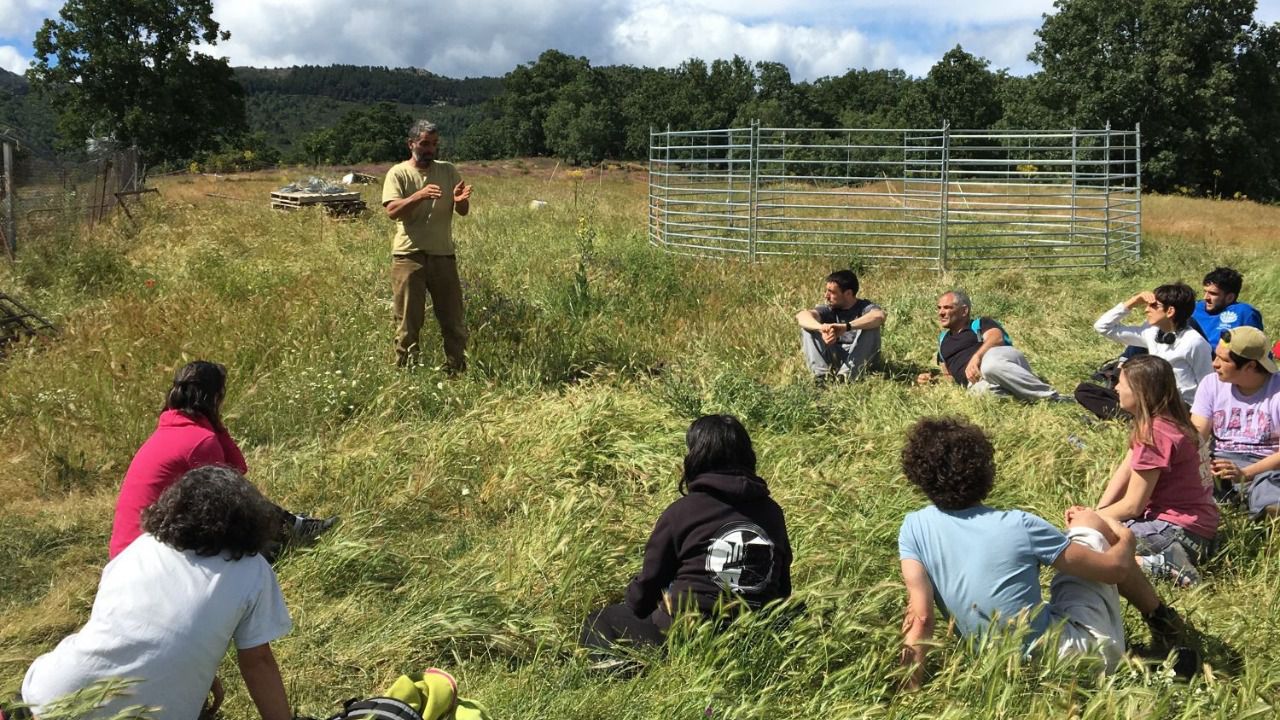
(170, 603)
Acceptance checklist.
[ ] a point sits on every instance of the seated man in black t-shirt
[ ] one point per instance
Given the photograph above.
(842, 336)
(978, 354)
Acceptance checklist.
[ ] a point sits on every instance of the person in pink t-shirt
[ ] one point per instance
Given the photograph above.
(1163, 488)
(189, 434)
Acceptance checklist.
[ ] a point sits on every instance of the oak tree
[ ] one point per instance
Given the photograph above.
(127, 70)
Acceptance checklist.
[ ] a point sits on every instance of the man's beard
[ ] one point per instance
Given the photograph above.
(422, 159)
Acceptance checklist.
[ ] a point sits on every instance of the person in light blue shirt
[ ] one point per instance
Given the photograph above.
(981, 565)
(1220, 309)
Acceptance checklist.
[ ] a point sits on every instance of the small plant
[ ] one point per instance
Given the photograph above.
(585, 243)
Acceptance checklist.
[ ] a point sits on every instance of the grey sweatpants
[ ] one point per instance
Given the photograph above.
(1263, 490)
(849, 356)
(1005, 372)
(1090, 610)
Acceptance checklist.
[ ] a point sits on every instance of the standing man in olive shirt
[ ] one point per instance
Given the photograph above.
(421, 194)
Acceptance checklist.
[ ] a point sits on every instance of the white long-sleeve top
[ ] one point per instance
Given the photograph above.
(1189, 354)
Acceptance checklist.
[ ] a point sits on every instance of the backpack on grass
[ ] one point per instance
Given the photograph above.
(376, 708)
(430, 695)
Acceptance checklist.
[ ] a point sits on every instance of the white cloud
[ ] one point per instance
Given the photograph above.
(846, 12)
(21, 18)
(812, 37)
(1006, 46)
(660, 36)
(12, 59)
(456, 40)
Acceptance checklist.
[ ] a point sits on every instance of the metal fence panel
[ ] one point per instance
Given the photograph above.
(47, 191)
(935, 197)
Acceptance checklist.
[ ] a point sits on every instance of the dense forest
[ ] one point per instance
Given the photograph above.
(1201, 77)
(352, 83)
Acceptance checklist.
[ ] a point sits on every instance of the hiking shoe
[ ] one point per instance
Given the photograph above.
(1186, 662)
(307, 529)
(1167, 627)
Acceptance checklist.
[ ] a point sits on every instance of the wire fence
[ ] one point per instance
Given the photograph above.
(41, 192)
(942, 199)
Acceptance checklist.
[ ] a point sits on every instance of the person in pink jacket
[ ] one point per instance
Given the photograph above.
(190, 434)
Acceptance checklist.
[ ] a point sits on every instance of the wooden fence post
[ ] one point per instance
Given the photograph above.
(10, 221)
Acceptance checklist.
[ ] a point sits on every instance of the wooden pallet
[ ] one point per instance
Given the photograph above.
(348, 203)
(309, 198)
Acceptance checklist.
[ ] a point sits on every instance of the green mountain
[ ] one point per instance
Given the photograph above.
(287, 103)
(12, 82)
(25, 116)
(367, 85)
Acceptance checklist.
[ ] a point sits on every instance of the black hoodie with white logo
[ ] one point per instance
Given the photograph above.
(727, 538)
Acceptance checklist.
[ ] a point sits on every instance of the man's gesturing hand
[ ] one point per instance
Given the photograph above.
(461, 191)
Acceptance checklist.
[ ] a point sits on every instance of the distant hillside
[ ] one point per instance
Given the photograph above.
(367, 85)
(24, 115)
(285, 118)
(12, 82)
(286, 103)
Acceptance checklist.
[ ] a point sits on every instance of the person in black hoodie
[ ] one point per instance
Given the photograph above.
(723, 543)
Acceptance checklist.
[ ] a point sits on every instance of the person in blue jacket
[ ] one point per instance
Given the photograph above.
(1221, 308)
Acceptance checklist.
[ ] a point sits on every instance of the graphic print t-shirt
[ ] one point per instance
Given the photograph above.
(1249, 425)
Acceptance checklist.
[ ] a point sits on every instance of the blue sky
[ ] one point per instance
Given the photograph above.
(812, 37)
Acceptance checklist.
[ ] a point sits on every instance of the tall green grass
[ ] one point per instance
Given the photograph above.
(483, 517)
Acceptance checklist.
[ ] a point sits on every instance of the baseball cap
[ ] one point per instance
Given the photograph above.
(1250, 344)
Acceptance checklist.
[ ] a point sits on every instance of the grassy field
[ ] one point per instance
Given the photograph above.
(484, 517)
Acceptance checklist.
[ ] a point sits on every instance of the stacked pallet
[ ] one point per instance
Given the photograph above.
(343, 203)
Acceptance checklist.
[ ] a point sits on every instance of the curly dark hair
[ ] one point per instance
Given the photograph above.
(1228, 280)
(951, 460)
(213, 510)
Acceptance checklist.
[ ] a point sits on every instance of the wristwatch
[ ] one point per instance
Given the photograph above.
(848, 324)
